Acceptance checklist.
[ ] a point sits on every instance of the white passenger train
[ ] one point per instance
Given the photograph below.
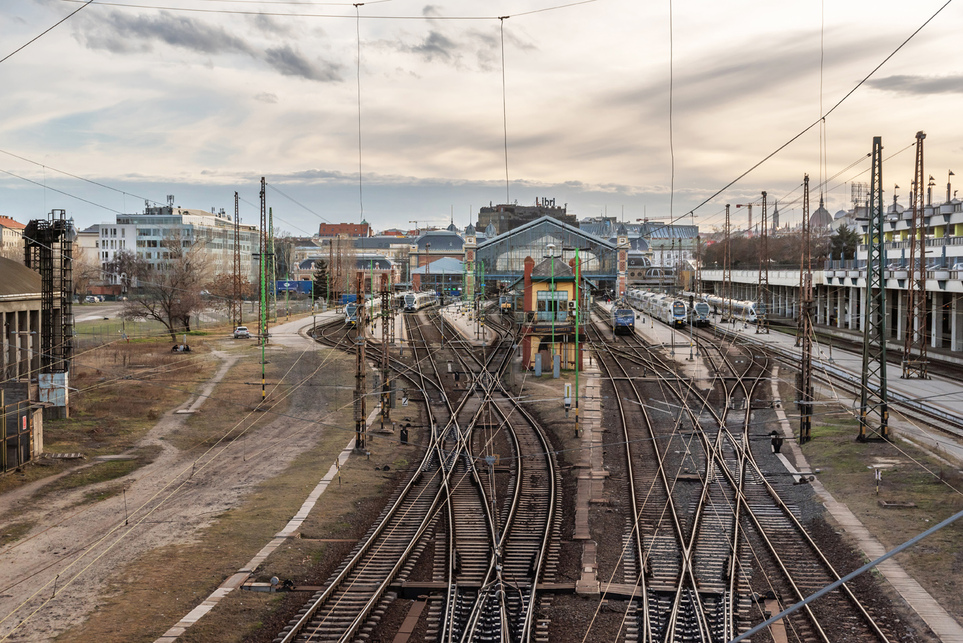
(372, 309)
(741, 310)
(415, 301)
(669, 309)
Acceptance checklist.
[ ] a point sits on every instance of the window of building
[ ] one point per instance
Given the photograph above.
(552, 305)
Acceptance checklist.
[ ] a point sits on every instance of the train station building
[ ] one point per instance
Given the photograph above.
(503, 258)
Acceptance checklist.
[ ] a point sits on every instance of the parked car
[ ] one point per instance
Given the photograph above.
(241, 332)
(90, 299)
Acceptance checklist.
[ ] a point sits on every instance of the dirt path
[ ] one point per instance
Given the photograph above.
(78, 549)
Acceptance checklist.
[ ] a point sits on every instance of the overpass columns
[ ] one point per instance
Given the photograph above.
(956, 324)
(936, 320)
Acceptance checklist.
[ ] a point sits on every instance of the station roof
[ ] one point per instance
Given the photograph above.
(19, 281)
(445, 265)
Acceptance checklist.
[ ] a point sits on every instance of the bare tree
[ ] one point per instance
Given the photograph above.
(85, 271)
(172, 293)
(128, 267)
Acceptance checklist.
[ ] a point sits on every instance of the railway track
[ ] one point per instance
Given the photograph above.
(711, 532)
(485, 493)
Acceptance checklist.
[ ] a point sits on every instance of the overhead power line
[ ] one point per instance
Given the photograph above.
(46, 31)
(281, 14)
(831, 109)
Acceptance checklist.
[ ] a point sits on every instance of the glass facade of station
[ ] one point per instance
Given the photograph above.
(503, 257)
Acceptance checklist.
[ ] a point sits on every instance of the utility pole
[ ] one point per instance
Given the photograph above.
(262, 324)
(762, 291)
(727, 272)
(914, 347)
(272, 275)
(805, 318)
(874, 398)
(236, 305)
(361, 384)
(387, 339)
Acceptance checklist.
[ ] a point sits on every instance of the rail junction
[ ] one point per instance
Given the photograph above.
(706, 535)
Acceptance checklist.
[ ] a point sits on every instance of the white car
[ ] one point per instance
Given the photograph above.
(241, 332)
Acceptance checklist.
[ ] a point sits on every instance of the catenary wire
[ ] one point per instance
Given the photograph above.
(86, 4)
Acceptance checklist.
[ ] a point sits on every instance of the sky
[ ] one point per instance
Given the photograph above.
(611, 107)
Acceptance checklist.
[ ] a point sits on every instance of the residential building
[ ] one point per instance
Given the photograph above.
(145, 234)
(11, 238)
(348, 229)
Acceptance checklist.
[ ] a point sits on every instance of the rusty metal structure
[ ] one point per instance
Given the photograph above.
(48, 249)
(874, 398)
(361, 364)
(727, 272)
(805, 337)
(236, 299)
(387, 340)
(914, 345)
(262, 320)
(763, 305)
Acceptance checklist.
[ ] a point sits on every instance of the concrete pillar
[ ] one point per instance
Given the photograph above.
(13, 338)
(936, 320)
(956, 325)
(850, 313)
(34, 319)
(840, 306)
(6, 358)
(900, 296)
(860, 295)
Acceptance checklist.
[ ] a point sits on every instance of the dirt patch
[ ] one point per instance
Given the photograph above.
(158, 507)
(918, 491)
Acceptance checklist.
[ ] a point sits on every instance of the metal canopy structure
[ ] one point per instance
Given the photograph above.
(503, 257)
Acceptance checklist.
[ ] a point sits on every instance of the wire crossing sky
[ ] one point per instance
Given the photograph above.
(201, 99)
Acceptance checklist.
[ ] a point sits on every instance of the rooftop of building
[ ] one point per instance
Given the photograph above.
(19, 281)
(7, 222)
(440, 240)
(445, 265)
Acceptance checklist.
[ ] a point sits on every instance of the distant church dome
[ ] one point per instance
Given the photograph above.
(821, 217)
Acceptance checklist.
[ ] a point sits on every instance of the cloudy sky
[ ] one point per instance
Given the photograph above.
(200, 98)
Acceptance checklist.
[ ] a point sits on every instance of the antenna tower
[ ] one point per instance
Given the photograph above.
(762, 291)
(387, 339)
(806, 326)
(236, 305)
(361, 371)
(874, 403)
(262, 322)
(914, 347)
(727, 273)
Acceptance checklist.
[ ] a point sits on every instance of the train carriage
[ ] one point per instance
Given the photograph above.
(699, 314)
(372, 307)
(415, 301)
(740, 310)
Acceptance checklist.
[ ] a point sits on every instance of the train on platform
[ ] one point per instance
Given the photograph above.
(372, 309)
(668, 309)
(415, 301)
(623, 318)
(506, 302)
(747, 311)
(699, 313)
